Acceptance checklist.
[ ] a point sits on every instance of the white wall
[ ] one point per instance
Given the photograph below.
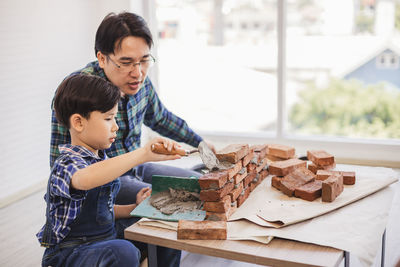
(41, 42)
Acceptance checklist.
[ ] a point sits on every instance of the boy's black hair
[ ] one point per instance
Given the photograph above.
(83, 94)
(115, 27)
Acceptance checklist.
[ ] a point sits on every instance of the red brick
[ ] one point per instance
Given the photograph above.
(261, 150)
(233, 153)
(262, 164)
(309, 191)
(263, 174)
(236, 191)
(221, 216)
(234, 170)
(255, 182)
(314, 168)
(349, 178)
(250, 177)
(204, 230)
(251, 167)
(282, 168)
(296, 179)
(213, 180)
(216, 194)
(240, 176)
(332, 187)
(247, 158)
(276, 182)
(218, 206)
(281, 151)
(320, 157)
(243, 196)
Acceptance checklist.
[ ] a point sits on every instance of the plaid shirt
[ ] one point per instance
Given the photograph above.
(66, 203)
(133, 110)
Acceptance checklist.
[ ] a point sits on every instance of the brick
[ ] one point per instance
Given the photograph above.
(262, 164)
(243, 196)
(255, 182)
(204, 230)
(261, 150)
(349, 178)
(234, 170)
(233, 153)
(276, 182)
(282, 168)
(240, 176)
(246, 160)
(309, 191)
(236, 191)
(281, 151)
(221, 216)
(320, 157)
(218, 206)
(296, 179)
(314, 168)
(213, 180)
(332, 187)
(263, 174)
(216, 194)
(251, 167)
(250, 177)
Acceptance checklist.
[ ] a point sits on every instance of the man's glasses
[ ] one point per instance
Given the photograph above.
(144, 64)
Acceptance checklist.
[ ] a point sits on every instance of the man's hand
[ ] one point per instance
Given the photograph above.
(143, 194)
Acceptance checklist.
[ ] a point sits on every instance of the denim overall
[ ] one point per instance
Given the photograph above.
(92, 239)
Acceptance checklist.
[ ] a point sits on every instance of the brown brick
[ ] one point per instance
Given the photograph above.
(276, 182)
(349, 178)
(240, 176)
(221, 216)
(213, 180)
(247, 158)
(262, 164)
(216, 194)
(236, 191)
(282, 168)
(320, 157)
(251, 167)
(296, 179)
(281, 151)
(234, 170)
(205, 230)
(250, 177)
(261, 150)
(233, 153)
(243, 196)
(255, 182)
(314, 168)
(309, 191)
(263, 174)
(332, 187)
(218, 206)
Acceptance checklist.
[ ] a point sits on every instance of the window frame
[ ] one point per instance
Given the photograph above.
(374, 152)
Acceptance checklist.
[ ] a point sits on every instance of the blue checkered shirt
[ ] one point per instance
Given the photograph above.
(66, 202)
(133, 110)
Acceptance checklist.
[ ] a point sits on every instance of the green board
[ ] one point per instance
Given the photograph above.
(162, 183)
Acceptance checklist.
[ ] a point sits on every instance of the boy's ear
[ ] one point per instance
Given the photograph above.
(76, 122)
(102, 59)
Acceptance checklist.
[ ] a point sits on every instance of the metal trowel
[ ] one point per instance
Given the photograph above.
(206, 154)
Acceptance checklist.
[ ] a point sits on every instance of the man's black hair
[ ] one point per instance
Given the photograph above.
(83, 94)
(115, 27)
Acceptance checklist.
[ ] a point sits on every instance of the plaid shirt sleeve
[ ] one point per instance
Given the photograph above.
(161, 120)
(59, 135)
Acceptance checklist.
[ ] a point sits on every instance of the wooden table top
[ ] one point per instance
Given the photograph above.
(279, 252)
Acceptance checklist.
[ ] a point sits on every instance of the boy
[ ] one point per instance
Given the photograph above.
(80, 229)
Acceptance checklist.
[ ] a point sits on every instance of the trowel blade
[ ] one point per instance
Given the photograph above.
(210, 160)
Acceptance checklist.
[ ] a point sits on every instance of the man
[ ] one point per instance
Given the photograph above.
(122, 46)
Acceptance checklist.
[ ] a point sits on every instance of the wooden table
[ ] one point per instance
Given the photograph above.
(279, 252)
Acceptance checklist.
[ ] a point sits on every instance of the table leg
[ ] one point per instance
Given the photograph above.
(152, 255)
(346, 259)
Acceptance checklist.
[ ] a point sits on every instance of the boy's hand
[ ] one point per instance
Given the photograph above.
(143, 194)
(168, 145)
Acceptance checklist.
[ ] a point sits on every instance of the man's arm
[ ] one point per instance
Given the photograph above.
(59, 135)
(161, 120)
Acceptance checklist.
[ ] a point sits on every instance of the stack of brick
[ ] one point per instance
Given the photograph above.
(320, 160)
(224, 191)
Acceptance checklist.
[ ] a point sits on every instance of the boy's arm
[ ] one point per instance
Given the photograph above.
(108, 170)
(124, 211)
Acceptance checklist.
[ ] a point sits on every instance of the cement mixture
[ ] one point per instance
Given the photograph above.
(175, 200)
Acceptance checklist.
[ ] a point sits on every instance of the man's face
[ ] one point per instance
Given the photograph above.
(120, 68)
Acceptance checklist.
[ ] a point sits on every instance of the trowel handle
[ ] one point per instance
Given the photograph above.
(160, 149)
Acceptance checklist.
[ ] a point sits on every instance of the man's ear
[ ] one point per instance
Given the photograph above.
(102, 59)
(77, 122)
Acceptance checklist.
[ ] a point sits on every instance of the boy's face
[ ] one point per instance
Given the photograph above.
(119, 69)
(100, 130)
